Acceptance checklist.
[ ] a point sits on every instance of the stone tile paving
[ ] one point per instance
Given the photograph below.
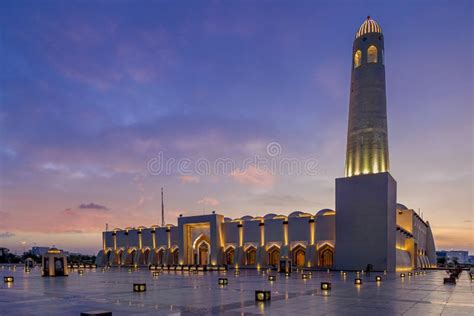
(181, 293)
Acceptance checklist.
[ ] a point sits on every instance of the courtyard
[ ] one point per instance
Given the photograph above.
(184, 293)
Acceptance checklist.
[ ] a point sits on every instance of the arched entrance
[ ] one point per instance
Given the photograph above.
(251, 256)
(326, 256)
(119, 257)
(175, 256)
(202, 250)
(146, 257)
(274, 256)
(299, 253)
(203, 253)
(229, 256)
(160, 256)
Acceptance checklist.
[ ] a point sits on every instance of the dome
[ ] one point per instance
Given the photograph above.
(325, 212)
(269, 216)
(295, 214)
(247, 218)
(369, 26)
(227, 219)
(401, 207)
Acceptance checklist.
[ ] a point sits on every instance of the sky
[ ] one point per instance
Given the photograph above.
(235, 106)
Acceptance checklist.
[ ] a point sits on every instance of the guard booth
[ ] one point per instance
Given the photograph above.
(54, 263)
(285, 265)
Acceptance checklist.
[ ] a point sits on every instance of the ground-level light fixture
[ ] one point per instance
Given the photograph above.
(304, 276)
(80, 272)
(8, 279)
(287, 274)
(156, 274)
(358, 281)
(262, 296)
(223, 281)
(410, 274)
(326, 286)
(378, 278)
(271, 278)
(402, 275)
(236, 272)
(139, 287)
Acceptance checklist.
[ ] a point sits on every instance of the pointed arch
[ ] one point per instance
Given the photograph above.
(372, 54)
(326, 256)
(251, 255)
(298, 254)
(230, 255)
(357, 58)
(273, 255)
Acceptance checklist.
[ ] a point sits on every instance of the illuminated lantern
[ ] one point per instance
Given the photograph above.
(287, 274)
(402, 275)
(80, 272)
(262, 296)
(358, 281)
(326, 286)
(271, 278)
(378, 278)
(409, 274)
(8, 279)
(156, 274)
(236, 272)
(139, 287)
(223, 281)
(304, 276)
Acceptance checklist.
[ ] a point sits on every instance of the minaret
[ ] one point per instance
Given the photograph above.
(367, 147)
(366, 197)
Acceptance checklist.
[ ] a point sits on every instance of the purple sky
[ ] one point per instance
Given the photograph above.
(91, 91)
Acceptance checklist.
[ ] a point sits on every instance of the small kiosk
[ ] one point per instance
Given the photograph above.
(54, 263)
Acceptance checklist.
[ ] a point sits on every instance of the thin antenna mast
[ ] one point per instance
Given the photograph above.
(162, 209)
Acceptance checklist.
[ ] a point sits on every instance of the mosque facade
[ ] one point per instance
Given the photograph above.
(367, 229)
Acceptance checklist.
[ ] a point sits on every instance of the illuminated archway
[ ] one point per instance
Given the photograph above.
(372, 53)
(326, 256)
(175, 256)
(274, 255)
(251, 256)
(357, 58)
(298, 254)
(229, 255)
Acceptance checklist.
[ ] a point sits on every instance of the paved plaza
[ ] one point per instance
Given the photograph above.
(182, 293)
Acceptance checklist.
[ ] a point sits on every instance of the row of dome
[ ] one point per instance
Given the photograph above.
(323, 212)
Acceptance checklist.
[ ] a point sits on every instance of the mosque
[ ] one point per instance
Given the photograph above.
(368, 227)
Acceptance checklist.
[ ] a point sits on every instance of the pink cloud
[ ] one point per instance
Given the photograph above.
(189, 179)
(209, 201)
(253, 176)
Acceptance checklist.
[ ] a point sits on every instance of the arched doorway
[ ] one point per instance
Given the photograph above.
(202, 250)
(229, 256)
(251, 256)
(299, 253)
(160, 255)
(107, 258)
(326, 256)
(274, 256)
(146, 257)
(175, 256)
(131, 258)
(203, 253)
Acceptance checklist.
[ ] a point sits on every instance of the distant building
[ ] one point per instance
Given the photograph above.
(471, 259)
(459, 256)
(4, 251)
(39, 251)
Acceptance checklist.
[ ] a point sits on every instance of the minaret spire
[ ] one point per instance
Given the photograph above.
(162, 209)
